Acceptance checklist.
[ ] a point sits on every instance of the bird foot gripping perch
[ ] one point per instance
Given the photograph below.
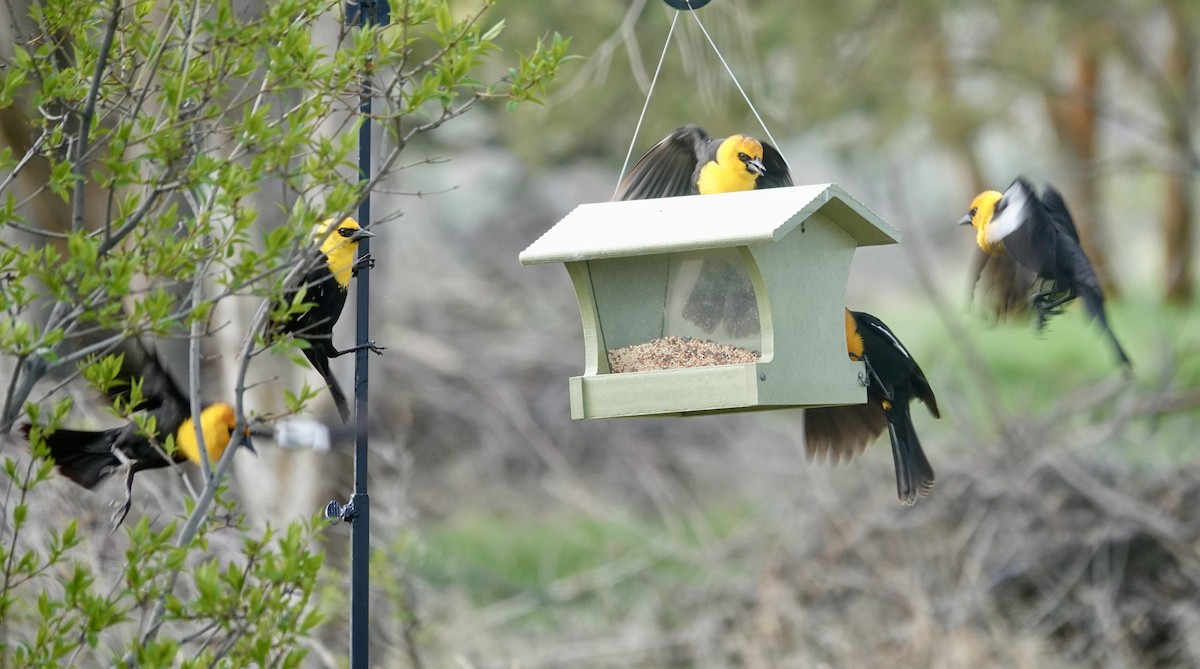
(369, 346)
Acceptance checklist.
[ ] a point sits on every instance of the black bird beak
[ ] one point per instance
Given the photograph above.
(965, 220)
(360, 233)
(756, 166)
(254, 432)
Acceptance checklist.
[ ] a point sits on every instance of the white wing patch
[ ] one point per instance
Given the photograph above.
(892, 338)
(1012, 215)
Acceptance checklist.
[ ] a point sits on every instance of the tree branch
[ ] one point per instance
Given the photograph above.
(89, 110)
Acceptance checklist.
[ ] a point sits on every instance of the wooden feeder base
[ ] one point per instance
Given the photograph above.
(697, 391)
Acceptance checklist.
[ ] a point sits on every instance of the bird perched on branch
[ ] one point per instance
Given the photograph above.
(325, 287)
(689, 162)
(893, 380)
(88, 457)
(1040, 235)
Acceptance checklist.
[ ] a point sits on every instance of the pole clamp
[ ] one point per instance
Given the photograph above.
(336, 512)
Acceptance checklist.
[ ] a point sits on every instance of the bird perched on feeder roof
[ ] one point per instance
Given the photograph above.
(893, 380)
(325, 288)
(1040, 235)
(88, 457)
(689, 162)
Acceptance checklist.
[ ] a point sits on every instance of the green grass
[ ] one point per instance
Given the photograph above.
(493, 557)
(1032, 370)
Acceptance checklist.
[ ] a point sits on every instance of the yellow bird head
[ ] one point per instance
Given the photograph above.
(339, 244)
(742, 153)
(983, 207)
(217, 422)
(736, 167)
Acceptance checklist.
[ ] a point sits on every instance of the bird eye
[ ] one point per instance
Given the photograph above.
(972, 212)
(743, 157)
(345, 232)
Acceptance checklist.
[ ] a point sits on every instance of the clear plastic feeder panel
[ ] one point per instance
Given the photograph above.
(710, 297)
(678, 310)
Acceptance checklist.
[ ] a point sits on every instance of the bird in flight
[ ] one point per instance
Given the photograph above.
(1038, 233)
(88, 457)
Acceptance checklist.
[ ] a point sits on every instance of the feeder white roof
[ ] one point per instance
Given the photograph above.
(668, 225)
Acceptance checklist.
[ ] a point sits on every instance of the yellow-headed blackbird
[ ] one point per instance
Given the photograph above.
(1039, 234)
(893, 380)
(689, 162)
(88, 457)
(326, 286)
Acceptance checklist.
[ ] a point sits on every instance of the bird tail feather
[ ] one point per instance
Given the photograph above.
(82, 456)
(320, 362)
(1093, 301)
(914, 474)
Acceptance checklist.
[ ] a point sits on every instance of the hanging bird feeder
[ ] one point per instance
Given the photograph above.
(713, 303)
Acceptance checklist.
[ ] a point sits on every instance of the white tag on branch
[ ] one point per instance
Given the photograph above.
(302, 433)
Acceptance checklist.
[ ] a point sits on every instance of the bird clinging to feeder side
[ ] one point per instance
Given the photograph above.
(1040, 235)
(894, 380)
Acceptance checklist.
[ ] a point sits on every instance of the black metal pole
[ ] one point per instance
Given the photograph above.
(357, 512)
(360, 502)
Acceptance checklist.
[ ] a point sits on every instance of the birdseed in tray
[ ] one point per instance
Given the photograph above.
(673, 352)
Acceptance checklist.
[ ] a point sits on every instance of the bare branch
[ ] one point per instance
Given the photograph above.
(89, 110)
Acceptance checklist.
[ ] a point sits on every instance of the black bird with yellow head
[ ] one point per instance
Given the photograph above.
(689, 162)
(1038, 233)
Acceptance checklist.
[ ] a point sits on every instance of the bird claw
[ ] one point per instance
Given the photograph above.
(365, 262)
(1045, 305)
(369, 346)
(122, 511)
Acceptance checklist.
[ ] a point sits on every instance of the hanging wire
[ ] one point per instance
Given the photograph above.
(662, 57)
(741, 90)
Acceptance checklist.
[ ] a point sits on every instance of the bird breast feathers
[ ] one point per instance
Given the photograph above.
(1011, 213)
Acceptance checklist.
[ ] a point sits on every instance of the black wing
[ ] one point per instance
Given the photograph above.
(1056, 208)
(327, 300)
(892, 361)
(839, 433)
(1020, 222)
(669, 168)
(1002, 284)
(778, 175)
(141, 362)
